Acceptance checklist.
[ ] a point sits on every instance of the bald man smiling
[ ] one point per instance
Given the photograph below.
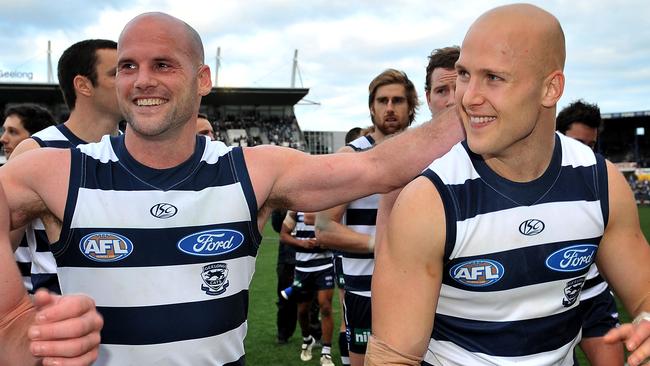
(486, 253)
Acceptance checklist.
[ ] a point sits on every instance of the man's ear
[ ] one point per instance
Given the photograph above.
(553, 89)
(82, 85)
(205, 80)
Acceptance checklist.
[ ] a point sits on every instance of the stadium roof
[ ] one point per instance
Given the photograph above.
(50, 94)
(625, 114)
(254, 96)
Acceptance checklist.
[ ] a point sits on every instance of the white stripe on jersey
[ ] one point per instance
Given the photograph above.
(504, 226)
(51, 133)
(449, 354)
(358, 266)
(370, 202)
(156, 285)
(576, 155)
(527, 302)
(42, 262)
(600, 287)
(588, 293)
(24, 255)
(217, 350)
(96, 208)
(211, 155)
(102, 151)
(313, 269)
(458, 173)
(306, 257)
(361, 142)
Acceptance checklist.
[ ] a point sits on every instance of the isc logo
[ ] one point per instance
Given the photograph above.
(105, 247)
(477, 273)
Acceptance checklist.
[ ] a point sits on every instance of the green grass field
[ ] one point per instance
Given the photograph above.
(261, 348)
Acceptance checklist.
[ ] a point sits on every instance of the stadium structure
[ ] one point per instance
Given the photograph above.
(240, 116)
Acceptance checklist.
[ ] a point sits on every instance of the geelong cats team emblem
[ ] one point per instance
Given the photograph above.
(215, 277)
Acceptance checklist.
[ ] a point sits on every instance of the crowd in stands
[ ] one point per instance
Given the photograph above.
(253, 131)
(641, 189)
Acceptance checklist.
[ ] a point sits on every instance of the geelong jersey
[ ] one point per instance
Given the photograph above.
(360, 216)
(594, 285)
(309, 260)
(517, 255)
(362, 143)
(167, 254)
(34, 257)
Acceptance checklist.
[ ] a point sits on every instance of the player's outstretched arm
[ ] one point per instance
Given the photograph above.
(623, 258)
(408, 273)
(288, 178)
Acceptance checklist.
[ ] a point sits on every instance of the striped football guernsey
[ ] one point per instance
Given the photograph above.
(517, 255)
(360, 216)
(167, 254)
(309, 260)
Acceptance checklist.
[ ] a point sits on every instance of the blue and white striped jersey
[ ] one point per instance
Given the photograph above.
(167, 254)
(517, 255)
(309, 260)
(360, 216)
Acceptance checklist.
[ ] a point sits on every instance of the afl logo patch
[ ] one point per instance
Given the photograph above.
(531, 227)
(105, 247)
(571, 259)
(211, 242)
(163, 210)
(477, 273)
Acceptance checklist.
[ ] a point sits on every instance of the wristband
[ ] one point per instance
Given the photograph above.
(371, 244)
(644, 315)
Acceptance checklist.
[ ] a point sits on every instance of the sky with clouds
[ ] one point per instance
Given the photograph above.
(342, 45)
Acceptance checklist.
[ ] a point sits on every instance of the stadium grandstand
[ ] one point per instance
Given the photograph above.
(240, 116)
(625, 141)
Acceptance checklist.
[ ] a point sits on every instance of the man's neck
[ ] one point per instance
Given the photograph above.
(161, 152)
(90, 125)
(525, 162)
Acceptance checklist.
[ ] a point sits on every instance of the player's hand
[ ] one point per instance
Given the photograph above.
(635, 337)
(310, 243)
(66, 329)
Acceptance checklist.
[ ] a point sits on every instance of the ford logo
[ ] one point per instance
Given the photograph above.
(531, 227)
(211, 242)
(573, 258)
(105, 247)
(163, 210)
(478, 272)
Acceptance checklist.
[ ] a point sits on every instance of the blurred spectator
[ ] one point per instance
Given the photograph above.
(22, 121)
(581, 121)
(352, 135)
(440, 83)
(204, 127)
